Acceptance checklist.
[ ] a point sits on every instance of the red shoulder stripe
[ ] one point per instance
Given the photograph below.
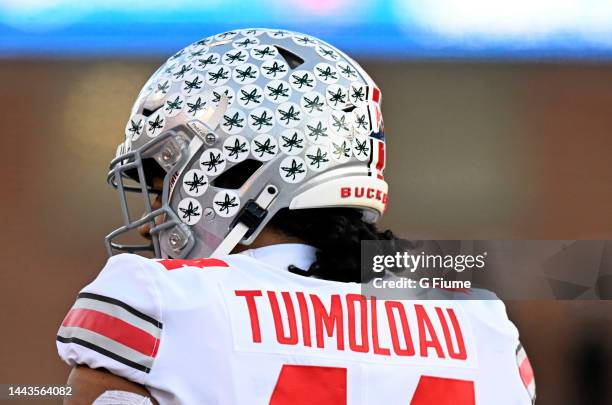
(113, 328)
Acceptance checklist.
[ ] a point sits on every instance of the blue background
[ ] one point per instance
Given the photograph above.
(388, 29)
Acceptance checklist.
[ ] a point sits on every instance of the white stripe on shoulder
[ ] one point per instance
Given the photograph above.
(105, 346)
(117, 312)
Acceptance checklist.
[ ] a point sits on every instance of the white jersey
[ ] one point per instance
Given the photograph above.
(244, 330)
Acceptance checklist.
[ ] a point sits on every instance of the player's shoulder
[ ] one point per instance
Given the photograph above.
(229, 265)
(129, 278)
(486, 307)
(483, 307)
(129, 268)
(489, 313)
(116, 320)
(126, 267)
(125, 273)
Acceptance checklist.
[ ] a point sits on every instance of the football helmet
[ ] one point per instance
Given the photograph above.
(300, 118)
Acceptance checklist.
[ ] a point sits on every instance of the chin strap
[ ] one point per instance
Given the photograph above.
(248, 220)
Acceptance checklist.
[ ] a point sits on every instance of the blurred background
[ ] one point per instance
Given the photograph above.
(498, 118)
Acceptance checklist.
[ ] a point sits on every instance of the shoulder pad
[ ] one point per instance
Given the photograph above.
(115, 322)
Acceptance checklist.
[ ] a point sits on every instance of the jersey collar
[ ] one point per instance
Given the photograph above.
(284, 254)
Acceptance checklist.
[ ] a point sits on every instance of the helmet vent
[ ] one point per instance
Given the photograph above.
(292, 59)
(349, 108)
(235, 177)
(146, 112)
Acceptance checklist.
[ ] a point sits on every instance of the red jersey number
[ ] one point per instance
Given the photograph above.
(296, 386)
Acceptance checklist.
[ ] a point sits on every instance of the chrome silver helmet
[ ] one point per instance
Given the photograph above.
(298, 115)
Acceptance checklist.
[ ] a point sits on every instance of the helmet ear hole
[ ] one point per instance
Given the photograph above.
(234, 177)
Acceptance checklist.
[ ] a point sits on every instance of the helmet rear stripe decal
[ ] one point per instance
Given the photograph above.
(376, 95)
(380, 163)
(377, 158)
(371, 154)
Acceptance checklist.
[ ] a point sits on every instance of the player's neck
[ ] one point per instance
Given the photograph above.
(268, 236)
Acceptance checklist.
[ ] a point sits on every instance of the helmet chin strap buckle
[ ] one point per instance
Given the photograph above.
(248, 220)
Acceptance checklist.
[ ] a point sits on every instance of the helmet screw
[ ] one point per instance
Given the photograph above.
(209, 214)
(175, 240)
(167, 155)
(210, 138)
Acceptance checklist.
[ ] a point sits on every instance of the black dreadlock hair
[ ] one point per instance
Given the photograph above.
(337, 234)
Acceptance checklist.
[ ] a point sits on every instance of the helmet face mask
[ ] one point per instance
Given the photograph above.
(292, 112)
(130, 166)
